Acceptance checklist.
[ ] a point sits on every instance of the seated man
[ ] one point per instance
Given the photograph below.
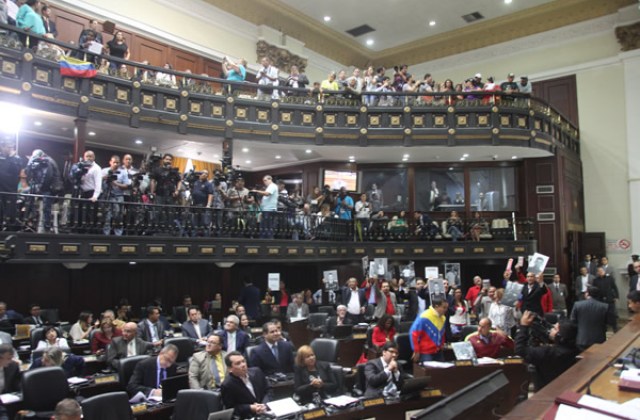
(297, 308)
(487, 343)
(71, 364)
(274, 354)
(196, 328)
(341, 318)
(233, 338)
(245, 389)
(207, 368)
(149, 374)
(68, 409)
(151, 329)
(384, 376)
(126, 346)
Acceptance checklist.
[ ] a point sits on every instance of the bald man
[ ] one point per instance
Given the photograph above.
(126, 346)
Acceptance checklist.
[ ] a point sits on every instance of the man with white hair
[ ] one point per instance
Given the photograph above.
(233, 338)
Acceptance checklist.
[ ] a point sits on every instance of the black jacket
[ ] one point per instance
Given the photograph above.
(145, 376)
(377, 378)
(236, 395)
(303, 383)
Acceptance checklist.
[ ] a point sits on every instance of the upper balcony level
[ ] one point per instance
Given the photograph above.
(189, 104)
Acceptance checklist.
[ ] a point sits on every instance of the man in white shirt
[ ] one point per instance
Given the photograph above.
(355, 300)
(269, 206)
(91, 181)
(584, 280)
(267, 76)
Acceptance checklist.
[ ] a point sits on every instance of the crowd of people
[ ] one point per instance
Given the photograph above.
(545, 333)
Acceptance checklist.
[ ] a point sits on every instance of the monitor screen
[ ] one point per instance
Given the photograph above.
(338, 179)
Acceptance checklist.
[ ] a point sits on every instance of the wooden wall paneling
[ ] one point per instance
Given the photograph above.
(146, 49)
(548, 240)
(561, 93)
(69, 25)
(183, 60)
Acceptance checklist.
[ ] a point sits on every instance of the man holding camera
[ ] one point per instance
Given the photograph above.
(43, 177)
(90, 183)
(10, 165)
(344, 204)
(114, 183)
(269, 206)
(165, 187)
(267, 76)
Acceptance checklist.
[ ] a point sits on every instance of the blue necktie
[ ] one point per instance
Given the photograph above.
(274, 349)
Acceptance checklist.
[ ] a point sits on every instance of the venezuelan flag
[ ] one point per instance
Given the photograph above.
(72, 67)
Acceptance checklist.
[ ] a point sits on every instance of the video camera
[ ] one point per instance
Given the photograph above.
(80, 169)
(38, 163)
(112, 175)
(540, 329)
(189, 178)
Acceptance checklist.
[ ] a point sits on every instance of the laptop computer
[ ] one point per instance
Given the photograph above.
(343, 331)
(221, 415)
(412, 386)
(172, 385)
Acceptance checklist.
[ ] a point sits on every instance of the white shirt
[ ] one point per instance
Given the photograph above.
(353, 307)
(249, 385)
(231, 341)
(92, 180)
(154, 331)
(385, 367)
(131, 348)
(196, 327)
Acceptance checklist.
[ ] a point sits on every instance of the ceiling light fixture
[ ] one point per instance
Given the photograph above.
(514, 157)
(451, 168)
(278, 157)
(216, 156)
(138, 141)
(308, 151)
(352, 160)
(245, 149)
(369, 42)
(37, 123)
(463, 158)
(406, 155)
(508, 1)
(432, 23)
(466, 155)
(404, 159)
(327, 18)
(92, 133)
(248, 162)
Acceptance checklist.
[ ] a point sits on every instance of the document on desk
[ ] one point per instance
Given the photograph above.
(436, 364)
(10, 398)
(138, 398)
(567, 412)
(75, 380)
(284, 407)
(607, 406)
(340, 401)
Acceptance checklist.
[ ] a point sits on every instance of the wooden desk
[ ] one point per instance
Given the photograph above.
(349, 351)
(390, 411)
(593, 365)
(452, 379)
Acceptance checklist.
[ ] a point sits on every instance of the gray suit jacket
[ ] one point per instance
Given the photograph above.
(590, 316)
(292, 311)
(579, 293)
(559, 296)
(118, 350)
(381, 306)
(200, 375)
(145, 333)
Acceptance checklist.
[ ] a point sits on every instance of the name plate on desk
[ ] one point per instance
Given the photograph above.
(359, 336)
(139, 408)
(430, 393)
(314, 414)
(513, 361)
(463, 363)
(372, 402)
(105, 379)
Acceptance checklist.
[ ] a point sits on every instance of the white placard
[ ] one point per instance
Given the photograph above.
(381, 267)
(95, 47)
(274, 281)
(436, 289)
(537, 263)
(431, 273)
(330, 278)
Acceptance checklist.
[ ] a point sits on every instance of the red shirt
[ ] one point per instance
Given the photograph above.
(472, 294)
(391, 310)
(100, 341)
(492, 347)
(379, 337)
(547, 301)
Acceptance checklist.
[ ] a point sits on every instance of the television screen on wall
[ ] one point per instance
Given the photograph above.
(338, 179)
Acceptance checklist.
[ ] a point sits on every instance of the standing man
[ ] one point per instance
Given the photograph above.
(245, 389)
(234, 339)
(267, 76)
(148, 374)
(10, 165)
(202, 200)
(127, 345)
(607, 286)
(344, 204)
(90, 188)
(197, 329)
(559, 295)
(269, 206)
(355, 301)
(297, 308)
(375, 196)
(384, 376)
(634, 284)
(418, 300)
(608, 269)
(590, 315)
(114, 183)
(207, 369)
(386, 301)
(250, 299)
(532, 294)
(583, 281)
(273, 355)
(428, 332)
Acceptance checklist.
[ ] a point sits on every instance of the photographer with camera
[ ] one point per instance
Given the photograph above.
(219, 197)
(267, 76)
(552, 359)
(164, 189)
(86, 176)
(44, 178)
(344, 204)
(114, 183)
(201, 200)
(238, 199)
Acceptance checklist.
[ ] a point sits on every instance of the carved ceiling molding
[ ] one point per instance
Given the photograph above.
(341, 48)
(280, 57)
(629, 36)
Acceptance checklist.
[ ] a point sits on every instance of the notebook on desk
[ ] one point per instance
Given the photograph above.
(412, 386)
(172, 385)
(343, 331)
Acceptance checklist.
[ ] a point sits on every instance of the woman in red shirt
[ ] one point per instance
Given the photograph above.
(384, 331)
(102, 338)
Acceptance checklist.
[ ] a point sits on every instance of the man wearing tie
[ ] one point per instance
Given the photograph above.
(245, 389)
(207, 369)
(126, 346)
(634, 284)
(384, 375)
(559, 295)
(150, 329)
(233, 339)
(583, 281)
(148, 375)
(35, 318)
(196, 329)
(273, 354)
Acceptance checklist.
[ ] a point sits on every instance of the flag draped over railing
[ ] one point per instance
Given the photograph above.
(72, 67)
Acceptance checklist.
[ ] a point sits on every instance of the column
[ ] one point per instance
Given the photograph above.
(631, 63)
(79, 137)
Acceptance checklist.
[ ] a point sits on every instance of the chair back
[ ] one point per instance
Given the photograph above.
(250, 350)
(338, 375)
(467, 330)
(361, 380)
(325, 349)
(37, 334)
(43, 388)
(51, 315)
(196, 404)
(127, 365)
(403, 341)
(318, 320)
(109, 406)
(330, 310)
(185, 348)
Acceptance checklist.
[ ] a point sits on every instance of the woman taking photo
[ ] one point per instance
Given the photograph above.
(312, 376)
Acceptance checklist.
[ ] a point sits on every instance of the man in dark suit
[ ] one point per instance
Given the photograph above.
(181, 313)
(10, 369)
(559, 295)
(354, 299)
(583, 281)
(610, 295)
(245, 389)
(35, 318)
(149, 374)
(532, 294)
(590, 264)
(608, 269)
(418, 300)
(341, 318)
(49, 25)
(127, 345)
(633, 281)
(233, 338)
(384, 375)
(590, 315)
(196, 329)
(274, 354)
(250, 299)
(151, 329)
